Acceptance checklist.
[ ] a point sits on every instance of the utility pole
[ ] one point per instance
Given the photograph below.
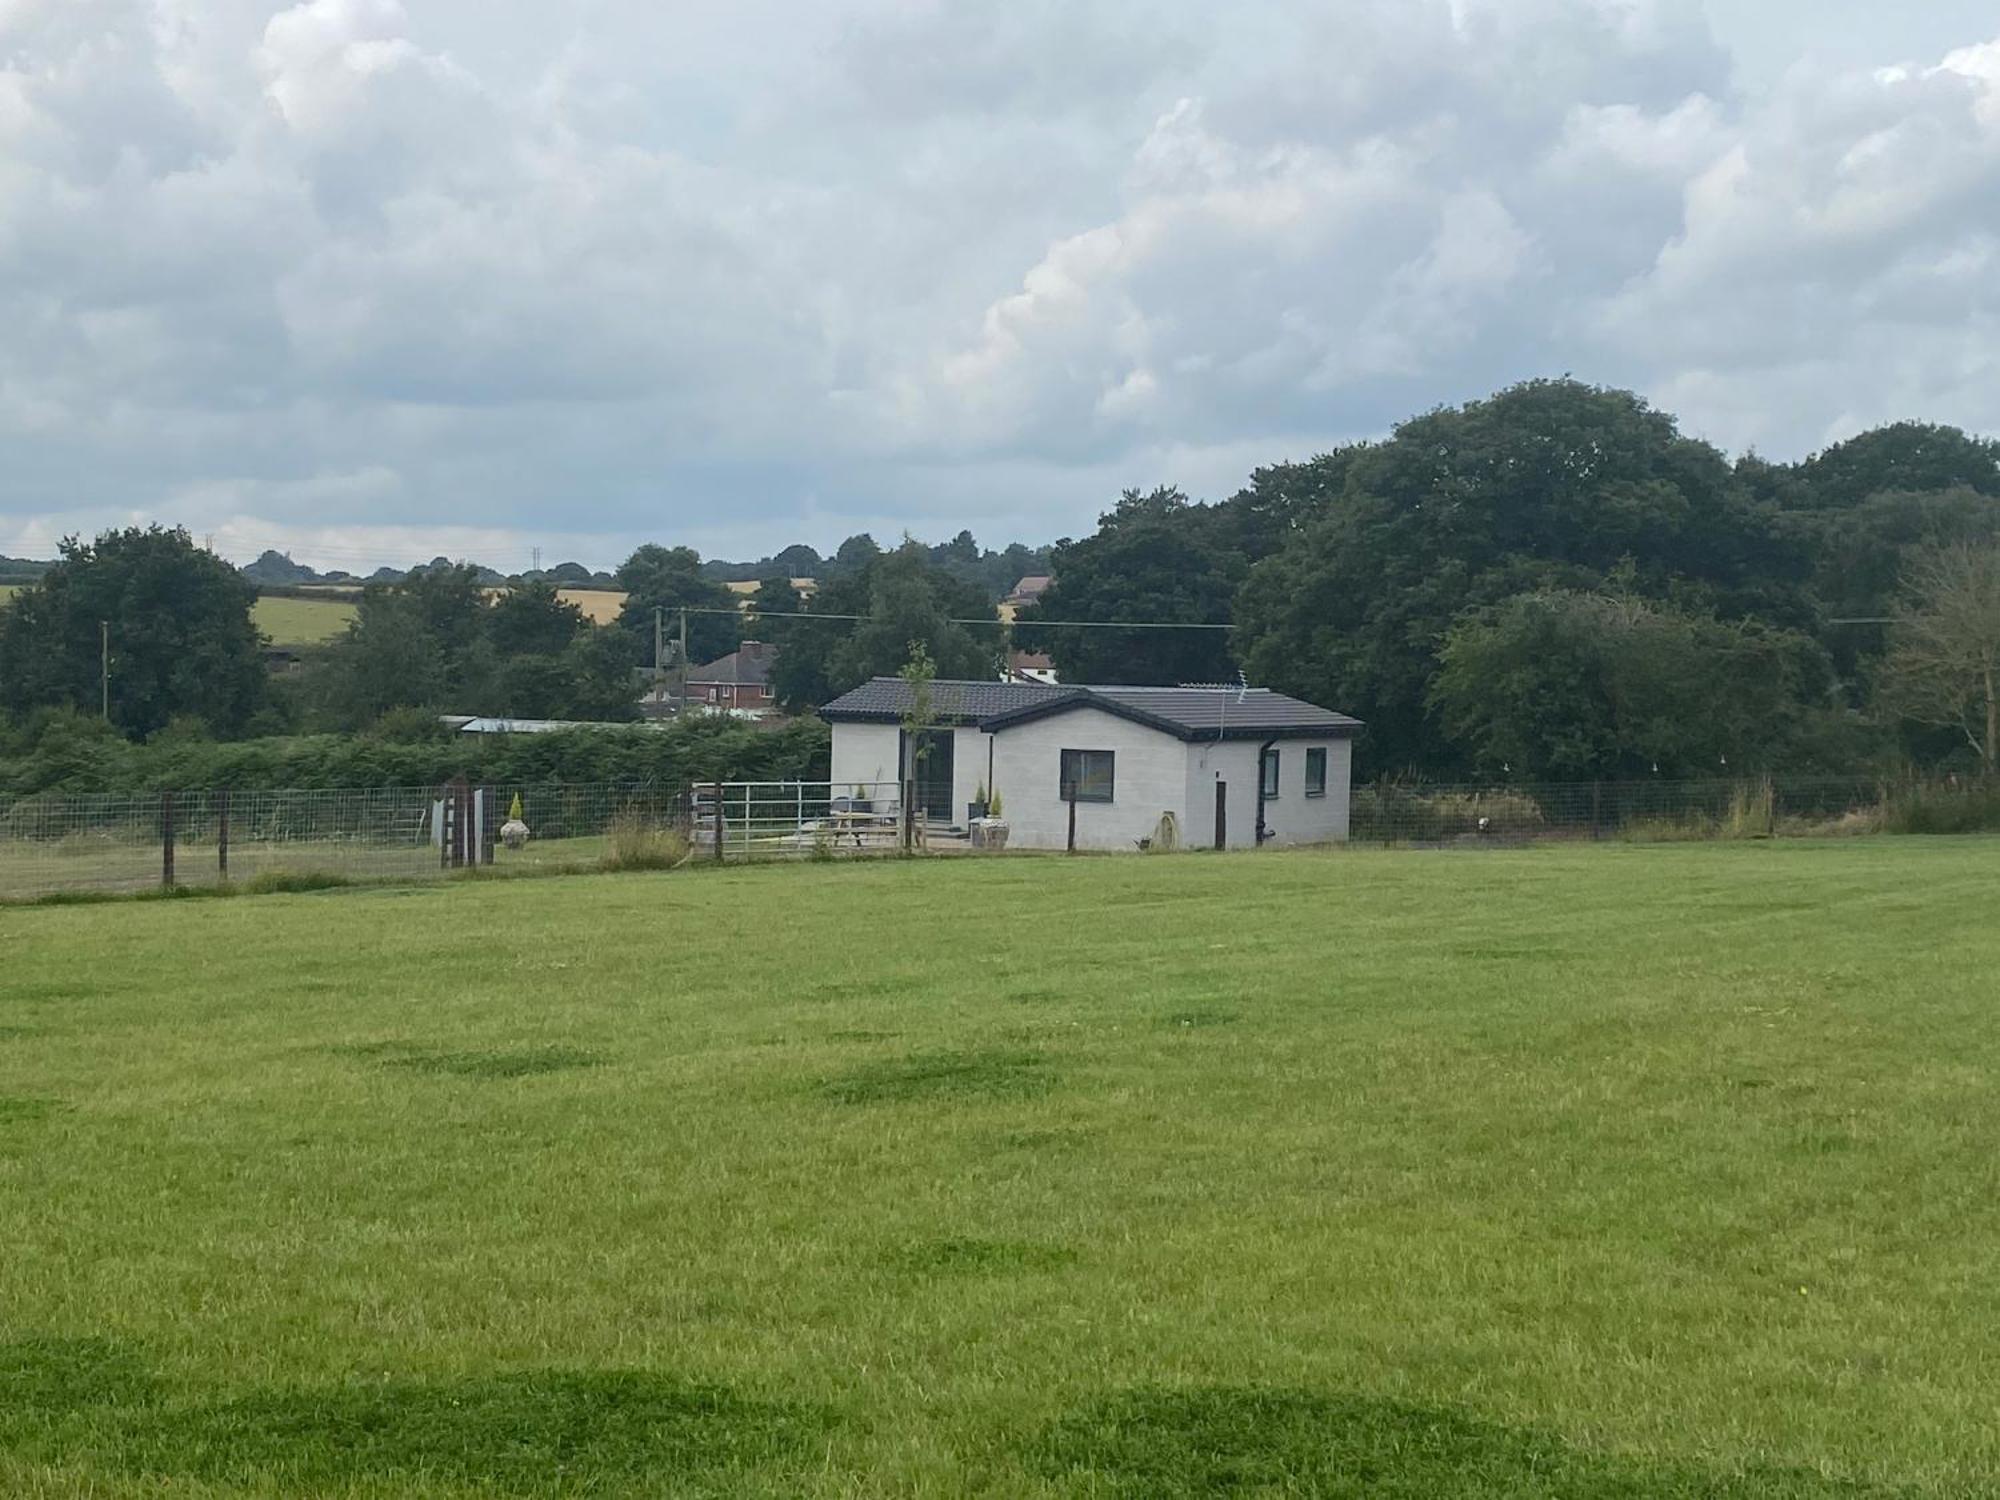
(684, 658)
(104, 668)
(537, 552)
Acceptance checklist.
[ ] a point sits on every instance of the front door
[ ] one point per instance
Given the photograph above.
(927, 760)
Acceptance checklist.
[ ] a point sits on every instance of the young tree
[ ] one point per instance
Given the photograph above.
(181, 638)
(1943, 667)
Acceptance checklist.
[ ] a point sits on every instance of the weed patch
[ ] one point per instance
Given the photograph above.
(1194, 1020)
(1180, 1445)
(944, 1076)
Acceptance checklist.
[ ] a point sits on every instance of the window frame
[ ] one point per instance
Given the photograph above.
(1070, 789)
(1270, 774)
(1316, 753)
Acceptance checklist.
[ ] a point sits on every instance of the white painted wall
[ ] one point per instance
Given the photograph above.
(1295, 818)
(968, 768)
(865, 753)
(1235, 763)
(1149, 778)
(1155, 773)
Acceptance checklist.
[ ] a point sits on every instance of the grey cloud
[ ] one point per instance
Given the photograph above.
(782, 271)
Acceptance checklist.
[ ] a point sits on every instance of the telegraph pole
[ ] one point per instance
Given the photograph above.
(104, 668)
(684, 658)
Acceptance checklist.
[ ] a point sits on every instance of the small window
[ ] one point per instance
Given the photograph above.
(1086, 775)
(1270, 775)
(1316, 773)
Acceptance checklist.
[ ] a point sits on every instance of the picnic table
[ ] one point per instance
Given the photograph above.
(847, 823)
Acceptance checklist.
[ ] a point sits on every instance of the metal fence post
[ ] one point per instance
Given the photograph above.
(909, 828)
(167, 840)
(222, 833)
(720, 853)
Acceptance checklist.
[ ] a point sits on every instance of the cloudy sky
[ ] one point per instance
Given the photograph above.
(372, 280)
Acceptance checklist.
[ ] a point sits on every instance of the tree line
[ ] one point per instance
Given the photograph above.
(1556, 583)
(1552, 583)
(147, 632)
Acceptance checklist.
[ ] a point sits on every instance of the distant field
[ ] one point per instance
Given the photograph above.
(1564, 1172)
(302, 622)
(8, 591)
(599, 606)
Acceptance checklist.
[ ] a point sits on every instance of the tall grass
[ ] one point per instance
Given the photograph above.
(636, 842)
(1949, 806)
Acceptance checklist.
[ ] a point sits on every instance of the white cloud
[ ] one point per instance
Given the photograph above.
(359, 268)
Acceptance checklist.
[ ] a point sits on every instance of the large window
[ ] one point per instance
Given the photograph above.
(1316, 773)
(1271, 774)
(1086, 775)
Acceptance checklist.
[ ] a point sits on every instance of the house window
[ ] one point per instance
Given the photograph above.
(1316, 773)
(1270, 775)
(1086, 775)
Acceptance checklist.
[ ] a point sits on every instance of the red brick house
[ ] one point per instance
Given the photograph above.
(741, 679)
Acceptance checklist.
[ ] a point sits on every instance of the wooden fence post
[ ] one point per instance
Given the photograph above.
(222, 833)
(167, 840)
(909, 814)
(719, 854)
(1071, 799)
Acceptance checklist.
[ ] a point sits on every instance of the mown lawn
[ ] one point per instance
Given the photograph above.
(1559, 1172)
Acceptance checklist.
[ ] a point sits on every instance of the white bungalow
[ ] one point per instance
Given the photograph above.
(1234, 767)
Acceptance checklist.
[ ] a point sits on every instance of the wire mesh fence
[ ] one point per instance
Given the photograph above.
(1760, 807)
(66, 842)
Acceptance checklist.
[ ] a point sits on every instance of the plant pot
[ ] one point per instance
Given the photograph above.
(974, 811)
(989, 833)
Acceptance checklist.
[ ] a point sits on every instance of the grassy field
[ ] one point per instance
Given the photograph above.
(1569, 1172)
(302, 622)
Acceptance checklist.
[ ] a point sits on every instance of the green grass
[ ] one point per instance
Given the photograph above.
(302, 622)
(1558, 1172)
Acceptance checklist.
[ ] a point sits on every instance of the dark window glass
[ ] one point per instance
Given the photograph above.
(1270, 774)
(1087, 775)
(1315, 773)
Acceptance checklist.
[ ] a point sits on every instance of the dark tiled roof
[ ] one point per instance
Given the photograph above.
(1187, 713)
(884, 700)
(748, 667)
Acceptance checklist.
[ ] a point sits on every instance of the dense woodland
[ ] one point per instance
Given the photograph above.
(1554, 583)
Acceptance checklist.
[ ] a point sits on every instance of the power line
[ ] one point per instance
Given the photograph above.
(771, 614)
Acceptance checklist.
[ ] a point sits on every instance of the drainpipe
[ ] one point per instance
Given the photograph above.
(1263, 750)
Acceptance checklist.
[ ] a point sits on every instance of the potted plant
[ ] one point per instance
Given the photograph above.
(990, 832)
(977, 807)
